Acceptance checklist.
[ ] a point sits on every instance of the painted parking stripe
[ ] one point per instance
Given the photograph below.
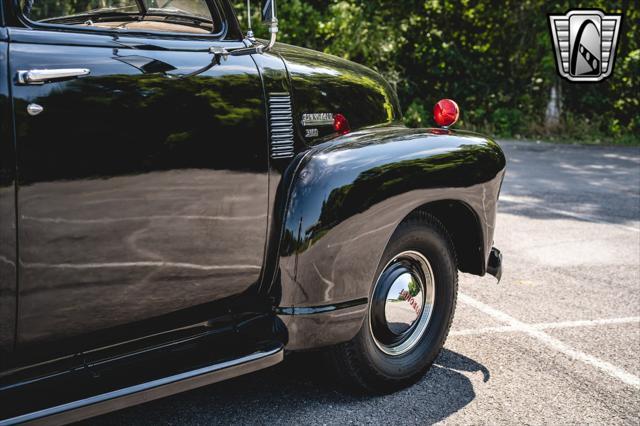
(546, 326)
(553, 343)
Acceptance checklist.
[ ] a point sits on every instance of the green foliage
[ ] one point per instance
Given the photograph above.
(417, 115)
(414, 288)
(507, 121)
(495, 58)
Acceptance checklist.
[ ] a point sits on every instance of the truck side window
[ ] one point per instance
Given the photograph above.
(172, 16)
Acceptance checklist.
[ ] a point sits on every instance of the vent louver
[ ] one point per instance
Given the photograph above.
(281, 121)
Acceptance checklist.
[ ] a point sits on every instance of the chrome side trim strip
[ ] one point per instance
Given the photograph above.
(314, 310)
(144, 392)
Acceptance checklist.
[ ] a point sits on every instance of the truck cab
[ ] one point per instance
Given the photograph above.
(181, 203)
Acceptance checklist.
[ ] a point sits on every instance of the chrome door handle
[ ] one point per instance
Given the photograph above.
(44, 76)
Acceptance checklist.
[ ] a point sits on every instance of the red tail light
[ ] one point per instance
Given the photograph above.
(446, 113)
(341, 124)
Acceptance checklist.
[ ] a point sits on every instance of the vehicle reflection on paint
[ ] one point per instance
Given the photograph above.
(8, 262)
(157, 124)
(7, 265)
(142, 195)
(328, 84)
(136, 247)
(352, 195)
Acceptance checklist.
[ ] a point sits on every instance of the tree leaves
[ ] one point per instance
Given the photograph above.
(495, 59)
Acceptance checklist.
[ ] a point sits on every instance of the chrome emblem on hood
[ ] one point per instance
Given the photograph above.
(317, 119)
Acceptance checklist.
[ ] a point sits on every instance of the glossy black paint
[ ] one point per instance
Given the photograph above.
(494, 265)
(327, 84)
(8, 273)
(136, 374)
(151, 216)
(149, 390)
(142, 193)
(349, 196)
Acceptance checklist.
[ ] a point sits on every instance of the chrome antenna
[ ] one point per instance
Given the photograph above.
(250, 34)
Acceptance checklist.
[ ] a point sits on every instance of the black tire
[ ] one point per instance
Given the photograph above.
(360, 363)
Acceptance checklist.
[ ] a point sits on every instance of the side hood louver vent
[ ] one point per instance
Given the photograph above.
(281, 123)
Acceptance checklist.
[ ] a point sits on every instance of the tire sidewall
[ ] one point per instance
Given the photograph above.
(436, 248)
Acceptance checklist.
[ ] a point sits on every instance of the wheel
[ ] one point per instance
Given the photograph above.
(411, 308)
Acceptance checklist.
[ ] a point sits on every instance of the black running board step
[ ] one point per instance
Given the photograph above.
(144, 392)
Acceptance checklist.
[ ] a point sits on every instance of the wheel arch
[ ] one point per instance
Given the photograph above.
(463, 225)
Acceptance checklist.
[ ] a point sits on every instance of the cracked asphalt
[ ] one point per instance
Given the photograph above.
(557, 342)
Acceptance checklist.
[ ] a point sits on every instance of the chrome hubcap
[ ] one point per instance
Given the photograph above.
(402, 303)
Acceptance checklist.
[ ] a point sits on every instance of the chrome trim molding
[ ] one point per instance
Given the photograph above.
(42, 76)
(144, 392)
(318, 119)
(313, 310)
(281, 125)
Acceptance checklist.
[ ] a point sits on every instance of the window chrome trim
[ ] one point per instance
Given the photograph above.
(217, 13)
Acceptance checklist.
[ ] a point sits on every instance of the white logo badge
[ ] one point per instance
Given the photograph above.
(585, 43)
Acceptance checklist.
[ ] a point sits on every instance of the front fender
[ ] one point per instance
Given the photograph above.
(345, 202)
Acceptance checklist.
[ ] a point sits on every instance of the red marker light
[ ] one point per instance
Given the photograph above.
(341, 124)
(446, 113)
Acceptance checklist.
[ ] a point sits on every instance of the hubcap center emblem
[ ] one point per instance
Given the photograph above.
(404, 303)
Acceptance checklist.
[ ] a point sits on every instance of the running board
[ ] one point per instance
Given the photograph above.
(145, 392)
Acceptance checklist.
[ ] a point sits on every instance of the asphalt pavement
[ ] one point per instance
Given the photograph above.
(556, 342)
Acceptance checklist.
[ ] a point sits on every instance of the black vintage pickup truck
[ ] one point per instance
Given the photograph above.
(181, 203)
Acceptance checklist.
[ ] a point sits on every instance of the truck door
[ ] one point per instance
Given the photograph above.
(143, 170)
(7, 211)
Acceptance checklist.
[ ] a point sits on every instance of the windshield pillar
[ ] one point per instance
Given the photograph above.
(142, 7)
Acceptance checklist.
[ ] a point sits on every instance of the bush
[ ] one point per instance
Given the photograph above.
(496, 61)
(507, 122)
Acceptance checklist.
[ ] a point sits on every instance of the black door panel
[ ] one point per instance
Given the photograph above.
(7, 214)
(143, 193)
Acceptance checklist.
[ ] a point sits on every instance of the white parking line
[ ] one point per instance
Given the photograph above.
(553, 343)
(546, 326)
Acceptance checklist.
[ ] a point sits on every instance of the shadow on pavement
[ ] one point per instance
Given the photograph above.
(590, 183)
(302, 390)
